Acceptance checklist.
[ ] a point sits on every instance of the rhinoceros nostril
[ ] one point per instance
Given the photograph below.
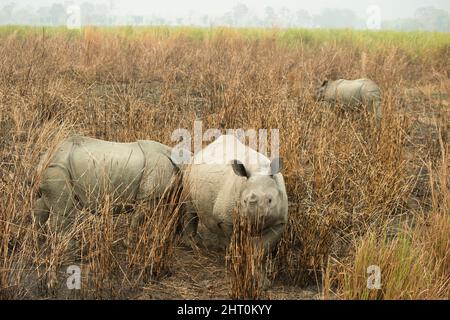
(252, 199)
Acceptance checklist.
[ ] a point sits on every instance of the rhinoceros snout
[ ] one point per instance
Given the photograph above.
(251, 200)
(256, 208)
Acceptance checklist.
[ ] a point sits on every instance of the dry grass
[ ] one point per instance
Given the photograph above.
(247, 260)
(351, 186)
(415, 263)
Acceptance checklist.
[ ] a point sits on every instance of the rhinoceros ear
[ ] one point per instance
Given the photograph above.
(276, 165)
(239, 168)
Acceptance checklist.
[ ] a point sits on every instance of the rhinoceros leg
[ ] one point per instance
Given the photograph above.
(58, 196)
(189, 225)
(40, 215)
(40, 212)
(137, 220)
(376, 109)
(57, 199)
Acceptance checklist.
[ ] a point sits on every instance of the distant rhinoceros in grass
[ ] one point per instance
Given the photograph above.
(84, 170)
(227, 174)
(352, 93)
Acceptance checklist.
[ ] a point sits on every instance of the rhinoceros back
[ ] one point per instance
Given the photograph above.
(347, 91)
(354, 93)
(159, 170)
(100, 167)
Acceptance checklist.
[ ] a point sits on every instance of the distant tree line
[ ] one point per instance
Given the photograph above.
(426, 18)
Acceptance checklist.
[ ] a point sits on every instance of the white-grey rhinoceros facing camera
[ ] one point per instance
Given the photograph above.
(216, 188)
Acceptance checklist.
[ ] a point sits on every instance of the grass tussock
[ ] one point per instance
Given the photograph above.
(413, 265)
(247, 261)
(360, 194)
(157, 236)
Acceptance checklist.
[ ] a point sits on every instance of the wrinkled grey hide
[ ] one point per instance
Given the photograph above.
(217, 185)
(84, 170)
(352, 93)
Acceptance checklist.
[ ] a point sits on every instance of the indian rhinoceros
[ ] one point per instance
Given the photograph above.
(352, 93)
(227, 174)
(84, 170)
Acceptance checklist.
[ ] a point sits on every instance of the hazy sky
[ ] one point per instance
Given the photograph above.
(390, 9)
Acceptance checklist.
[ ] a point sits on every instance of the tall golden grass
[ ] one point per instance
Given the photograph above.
(246, 260)
(359, 195)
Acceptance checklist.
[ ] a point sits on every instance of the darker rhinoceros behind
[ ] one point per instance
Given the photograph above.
(352, 93)
(227, 174)
(83, 171)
